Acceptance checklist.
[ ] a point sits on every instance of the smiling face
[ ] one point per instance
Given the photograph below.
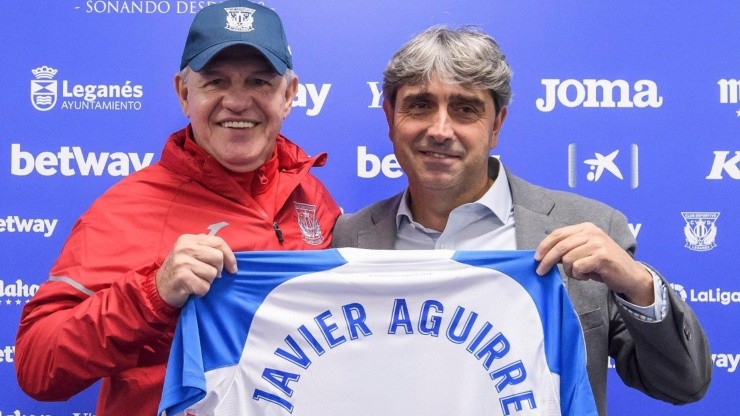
(236, 105)
(442, 135)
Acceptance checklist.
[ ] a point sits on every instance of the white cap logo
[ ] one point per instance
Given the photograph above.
(239, 19)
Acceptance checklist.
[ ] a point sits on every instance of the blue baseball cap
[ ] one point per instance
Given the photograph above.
(236, 22)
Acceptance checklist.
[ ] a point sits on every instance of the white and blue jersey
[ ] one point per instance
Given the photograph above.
(374, 332)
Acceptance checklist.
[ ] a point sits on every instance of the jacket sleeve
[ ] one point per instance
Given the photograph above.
(98, 314)
(669, 360)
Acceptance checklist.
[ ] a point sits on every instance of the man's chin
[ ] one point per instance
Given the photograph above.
(436, 182)
(242, 165)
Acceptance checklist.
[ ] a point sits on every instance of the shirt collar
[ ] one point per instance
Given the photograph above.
(497, 200)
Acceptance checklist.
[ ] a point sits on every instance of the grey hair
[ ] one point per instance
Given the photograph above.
(465, 56)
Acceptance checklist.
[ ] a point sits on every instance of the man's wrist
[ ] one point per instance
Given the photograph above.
(655, 312)
(644, 295)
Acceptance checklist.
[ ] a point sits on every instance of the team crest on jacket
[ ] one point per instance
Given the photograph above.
(239, 19)
(309, 225)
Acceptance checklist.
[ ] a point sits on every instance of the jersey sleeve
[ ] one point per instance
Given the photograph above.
(185, 381)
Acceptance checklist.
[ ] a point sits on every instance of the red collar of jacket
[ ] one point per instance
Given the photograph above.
(182, 155)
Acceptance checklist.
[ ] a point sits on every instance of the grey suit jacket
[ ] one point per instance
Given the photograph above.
(669, 360)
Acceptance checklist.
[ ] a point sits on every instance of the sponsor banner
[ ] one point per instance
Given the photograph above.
(716, 295)
(637, 123)
(16, 224)
(7, 354)
(48, 93)
(71, 161)
(16, 292)
(602, 164)
(599, 93)
(725, 164)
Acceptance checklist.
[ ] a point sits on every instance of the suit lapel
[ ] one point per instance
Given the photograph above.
(532, 214)
(382, 234)
(532, 208)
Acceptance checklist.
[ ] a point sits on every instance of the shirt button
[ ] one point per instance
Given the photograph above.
(443, 246)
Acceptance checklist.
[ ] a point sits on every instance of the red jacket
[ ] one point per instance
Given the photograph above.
(100, 315)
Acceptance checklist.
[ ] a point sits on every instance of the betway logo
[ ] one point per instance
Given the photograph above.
(727, 361)
(722, 164)
(72, 161)
(599, 93)
(370, 165)
(16, 224)
(312, 98)
(7, 353)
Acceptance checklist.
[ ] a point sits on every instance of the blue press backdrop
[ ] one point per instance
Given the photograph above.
(675, 127)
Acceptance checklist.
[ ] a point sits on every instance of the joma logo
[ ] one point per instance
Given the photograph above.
(599, 93)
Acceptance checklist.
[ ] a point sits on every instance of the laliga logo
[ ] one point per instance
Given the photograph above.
(700, 230)
(679, 289)
(44, 88)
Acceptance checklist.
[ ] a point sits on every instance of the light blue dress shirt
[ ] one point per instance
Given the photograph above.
(488, 224)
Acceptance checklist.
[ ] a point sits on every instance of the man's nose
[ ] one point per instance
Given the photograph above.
(441, 128)
(238, 98)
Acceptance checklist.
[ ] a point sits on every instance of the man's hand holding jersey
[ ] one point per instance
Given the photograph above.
(191, 266)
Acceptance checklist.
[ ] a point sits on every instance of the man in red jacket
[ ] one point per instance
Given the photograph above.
(227, 182)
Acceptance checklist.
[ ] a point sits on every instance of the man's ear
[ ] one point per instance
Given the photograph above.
(389, 116)
(498, 123)
(181, 89)
(290, 93)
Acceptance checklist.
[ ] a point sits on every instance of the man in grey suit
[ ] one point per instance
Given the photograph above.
(446, 96)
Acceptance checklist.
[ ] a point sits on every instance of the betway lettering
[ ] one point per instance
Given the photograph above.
(635, 228)
(598, 93)
(722, 164)
(72, 161)
(309, 92)
(19, 413)
(16, 224)
(370, 165)
(728, 361)
(489, 346)
(7, 353)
